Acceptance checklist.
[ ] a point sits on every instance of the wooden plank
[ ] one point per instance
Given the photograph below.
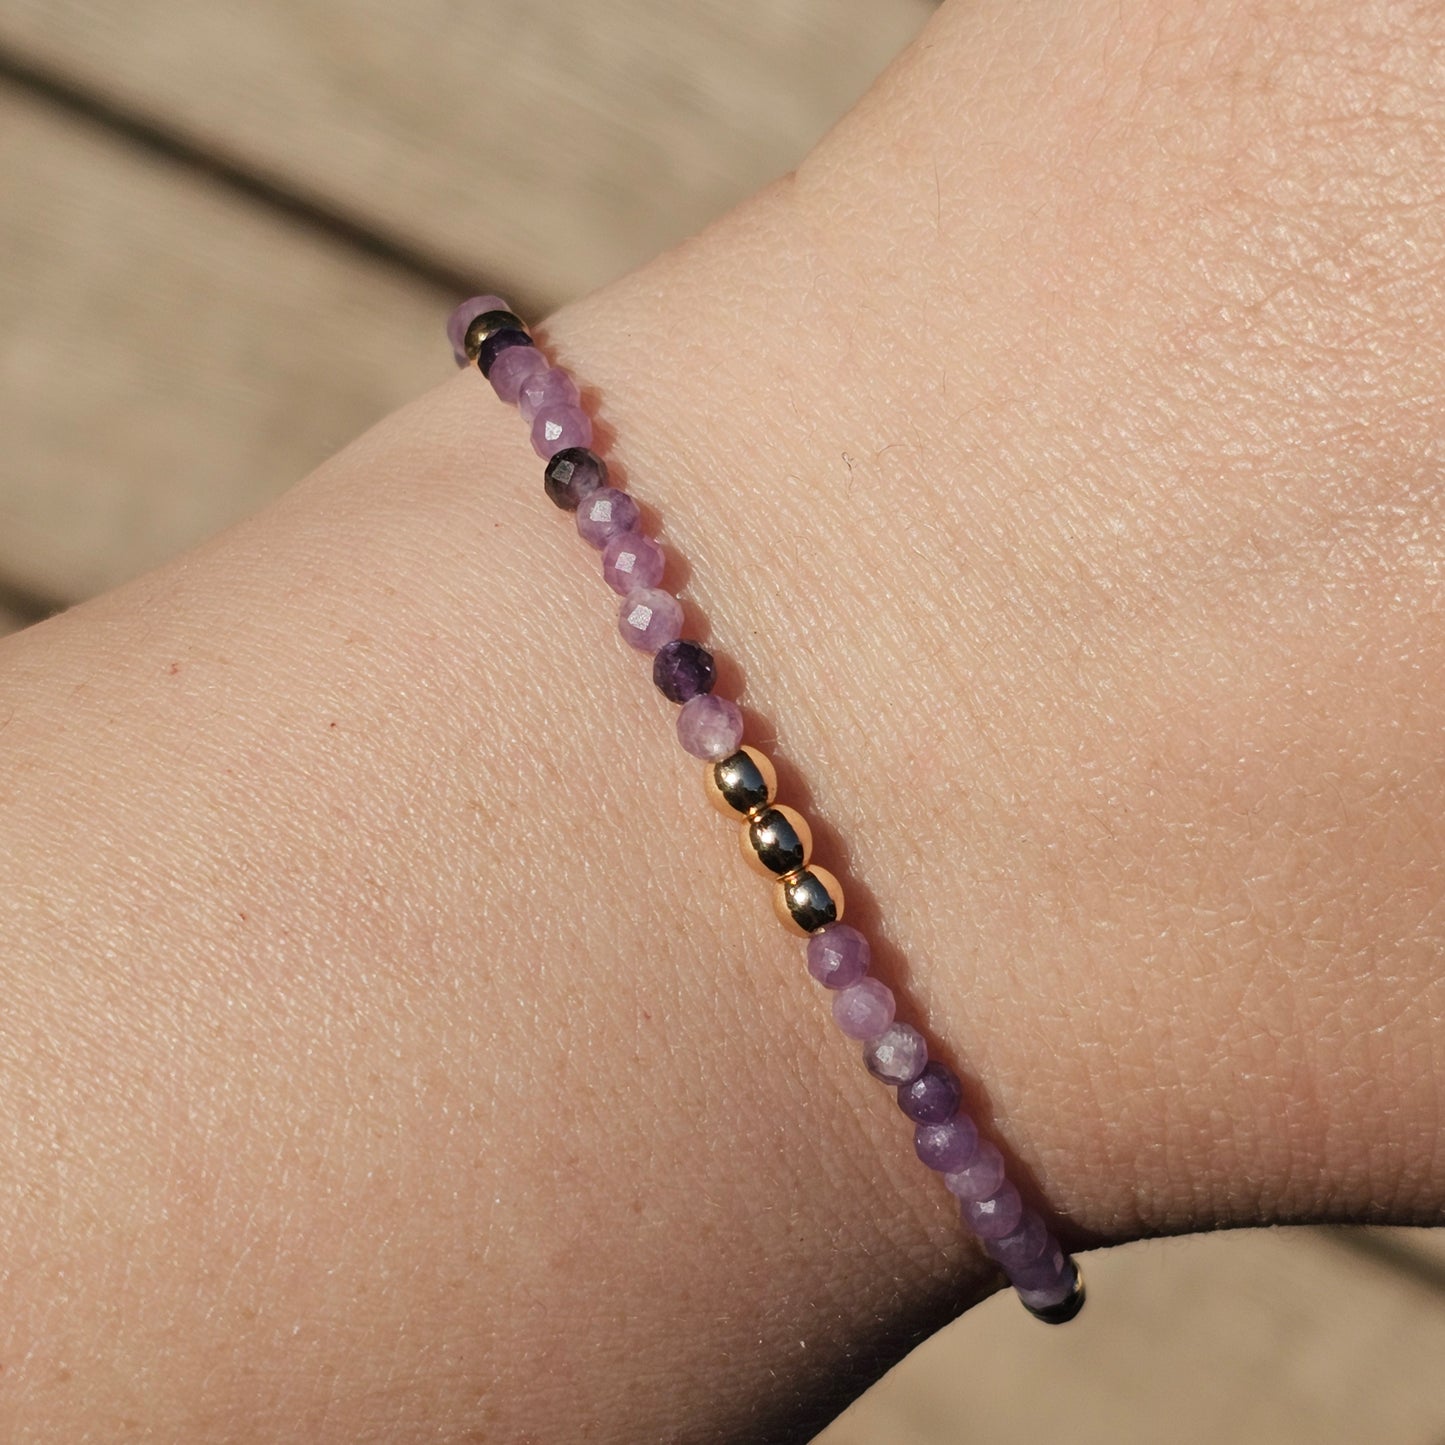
(553, 145)
(170, 355)
(1275, 1336)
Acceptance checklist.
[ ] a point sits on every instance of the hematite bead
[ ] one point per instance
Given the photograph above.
(573, 473)
(808, 900)
(742, 784)
(496, 344)
(777, 841)
(684, 669)
(488, 323)
(462, 317)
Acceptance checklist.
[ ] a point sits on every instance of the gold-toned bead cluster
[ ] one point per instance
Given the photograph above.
(776, 840)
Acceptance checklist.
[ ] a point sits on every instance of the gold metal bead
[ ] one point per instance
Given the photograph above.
(742, 784)
(808, 900)
(1066, 1309)
(485, 325)
(777, 840)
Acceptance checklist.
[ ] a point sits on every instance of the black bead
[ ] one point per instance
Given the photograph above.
(496, 344)
(573, 474)
(741, 784)
(488, 323)
(777, 845)
(683, 669)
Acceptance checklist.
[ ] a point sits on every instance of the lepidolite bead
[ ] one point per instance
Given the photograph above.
(838, 955)
(980, 1176)
(896, 1056)
(683, 670)
(648, 618)
(933, 1096)
(463, 316)
(603, 514)
(710, 727)
(1050, 1267)
(1023, 1244)
(996, 1215)
(496, 344)
(631, 560)
(572, 474)
(559, 425)
(551, 386)
(947, 1146)
(863, 1010)
(512, 368)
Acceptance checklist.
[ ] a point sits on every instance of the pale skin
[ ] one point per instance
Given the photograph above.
(395, 1047)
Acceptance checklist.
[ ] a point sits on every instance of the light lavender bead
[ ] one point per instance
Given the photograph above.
(897, 1055)
(1046, 1268)
(995, 1216)
(980, 1176)
(548, 386)
(511, 370)
(559, 425)
(863, 1010)
(710, 727)
(631, 560)
(1023, 1244)
(648, 618)
(463, 316)
(603, 514)
(838, 955)
(948, 1146)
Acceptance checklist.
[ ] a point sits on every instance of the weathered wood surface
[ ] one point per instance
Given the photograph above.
(560, 143)
(1274, 1338)
(170, 354)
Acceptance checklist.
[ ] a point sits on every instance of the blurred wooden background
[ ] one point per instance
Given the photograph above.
(229, 233)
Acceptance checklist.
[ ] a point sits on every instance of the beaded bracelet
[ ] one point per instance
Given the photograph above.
(776, 841)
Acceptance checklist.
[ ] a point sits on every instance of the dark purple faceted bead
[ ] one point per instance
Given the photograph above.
(496, 344)
(1049, 1268)
(933, 1097)
(573, 473)
(947, 1146)
(683, 669)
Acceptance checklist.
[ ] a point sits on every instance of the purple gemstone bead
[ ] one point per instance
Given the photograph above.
(710, 727)
(498, 344)
(648, 618)
(863, 1010)
(838, 955)
(631, 560)
(948, 1146)
(602, 514)
(896, 1056)
(683, 670)
(933, 1096)
(550, 386)
(980, 1176)
(1023, 1244)
(559, 425)
(463, 316)
(573, 473)
(512, 368)
(995, 1216)
(1047, 1280)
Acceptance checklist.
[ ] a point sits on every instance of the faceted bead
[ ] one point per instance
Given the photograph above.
(496, 344)
(995, 1216)
(512, 368)
(1023, 1244)
(838, 956)
(463, 316)
(1050, 1267)
(933, 1096)
(947, 1146)
(741, 784)
(897, 1056)
(631, 560)
(980, 1176)
(776, 841)
(572, 473)
(602, 514)
(559, 425)
(648, 618)
(808, 900)
(710, 727)
(864, 1010)
(550, 386)
(683, 670)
